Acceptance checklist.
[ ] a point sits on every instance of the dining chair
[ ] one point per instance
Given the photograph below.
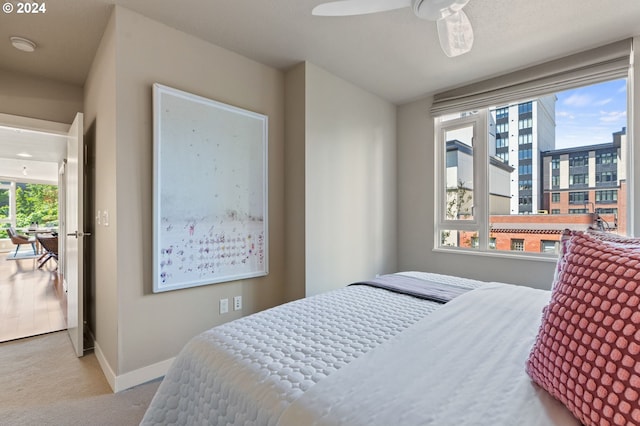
(19, 240)
(50, 245)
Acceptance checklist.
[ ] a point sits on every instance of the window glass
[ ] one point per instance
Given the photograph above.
(607, 196)
(5, 214)
(459, 173)
(572, 142)
(517, 244)
(4, 204)
(547, 246)
(35, 204)
(458, 238)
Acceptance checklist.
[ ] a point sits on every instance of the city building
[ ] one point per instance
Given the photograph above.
(588, 180)
(519, 133)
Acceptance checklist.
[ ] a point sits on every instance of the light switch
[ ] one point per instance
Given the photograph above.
(98, 217)
(105, 218)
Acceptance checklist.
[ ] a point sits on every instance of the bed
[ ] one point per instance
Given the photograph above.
(365, 355)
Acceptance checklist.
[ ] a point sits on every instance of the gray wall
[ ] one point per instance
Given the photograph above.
(39, 98)
(136, 329)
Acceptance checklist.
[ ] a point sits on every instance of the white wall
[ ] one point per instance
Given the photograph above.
(343, 221)
(350, 183)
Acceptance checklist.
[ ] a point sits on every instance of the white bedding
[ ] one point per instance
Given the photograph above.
(315, 360)
(461, 365)
(248, 371)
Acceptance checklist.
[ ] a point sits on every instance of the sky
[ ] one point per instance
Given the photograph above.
(589, 115)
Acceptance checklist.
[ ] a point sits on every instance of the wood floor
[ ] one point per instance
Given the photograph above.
(31, 300)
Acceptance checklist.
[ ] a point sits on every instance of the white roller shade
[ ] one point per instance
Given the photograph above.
(593, 66)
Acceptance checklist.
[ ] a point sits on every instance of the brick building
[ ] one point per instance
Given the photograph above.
(589, 179)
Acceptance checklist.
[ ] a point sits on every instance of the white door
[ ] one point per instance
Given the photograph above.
(74, 228)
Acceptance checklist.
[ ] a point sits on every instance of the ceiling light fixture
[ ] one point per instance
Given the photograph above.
(23, 44)
(24, 155)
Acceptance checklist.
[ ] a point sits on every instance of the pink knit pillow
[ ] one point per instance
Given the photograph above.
(587, 353)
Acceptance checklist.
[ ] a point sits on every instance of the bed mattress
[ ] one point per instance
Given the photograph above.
(249, 371)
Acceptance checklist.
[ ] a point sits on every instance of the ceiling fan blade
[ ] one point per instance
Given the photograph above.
(455, 33)
(358, 7)
(438, 9)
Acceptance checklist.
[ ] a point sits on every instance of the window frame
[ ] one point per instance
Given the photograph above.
(597, 65)
(480, 222)
(480, 179)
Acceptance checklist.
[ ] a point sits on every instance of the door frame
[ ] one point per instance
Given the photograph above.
(56, 129)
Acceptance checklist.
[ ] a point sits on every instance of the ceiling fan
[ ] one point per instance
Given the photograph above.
(454, 28)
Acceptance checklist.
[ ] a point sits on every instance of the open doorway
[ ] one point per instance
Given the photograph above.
(32, 297)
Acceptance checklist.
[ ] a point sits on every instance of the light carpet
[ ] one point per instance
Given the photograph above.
(42, 382)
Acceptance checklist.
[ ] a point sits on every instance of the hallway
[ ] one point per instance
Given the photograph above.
(31, 299)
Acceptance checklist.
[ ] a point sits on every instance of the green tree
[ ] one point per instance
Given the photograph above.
(36, 203)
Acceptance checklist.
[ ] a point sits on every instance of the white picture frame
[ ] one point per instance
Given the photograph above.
(209, 191)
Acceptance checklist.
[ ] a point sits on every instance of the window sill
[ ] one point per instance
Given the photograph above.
(536, 257)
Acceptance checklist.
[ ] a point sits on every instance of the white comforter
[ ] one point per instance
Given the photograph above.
(248, 371)
(366, 356)
(461, 365)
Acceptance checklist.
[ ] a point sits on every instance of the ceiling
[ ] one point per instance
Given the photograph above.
(32, 156)
(393, 54)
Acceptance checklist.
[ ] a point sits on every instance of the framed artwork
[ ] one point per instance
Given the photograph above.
(210, 191)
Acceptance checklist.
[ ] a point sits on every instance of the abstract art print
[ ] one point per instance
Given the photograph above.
(210, 191)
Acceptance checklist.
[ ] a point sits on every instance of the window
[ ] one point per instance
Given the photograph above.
(517, 244)
(525, 138)
(548, 246)
(578, 211)
(561, 160)
(524, 154)
(525, 123)
(579, 160)
(5, 206)
(525, 108)
(612, 211)
(555, 197)
(606, 177)
(525, 201)
(525, 185)
(578, 197)
(607, 196)
(607, 157)
(502, 128)
(24, 203)
(504, 156)
(502, 142)
(579, 179)
(524, 169)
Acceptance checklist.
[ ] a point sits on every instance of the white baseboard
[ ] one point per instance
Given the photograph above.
(132, 378)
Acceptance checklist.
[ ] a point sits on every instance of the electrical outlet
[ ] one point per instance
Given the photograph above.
(224, 306)
(237, 303)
